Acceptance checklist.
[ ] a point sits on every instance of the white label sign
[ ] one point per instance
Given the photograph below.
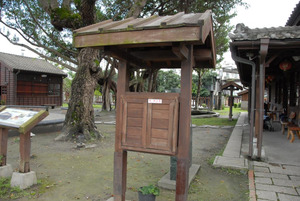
(155, 101)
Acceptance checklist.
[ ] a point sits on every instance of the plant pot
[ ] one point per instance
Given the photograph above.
(148, 197)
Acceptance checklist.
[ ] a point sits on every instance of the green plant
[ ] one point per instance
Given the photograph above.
(2, 102)
(150, 189)
(235, 105)
(239, 105)
(204, 105)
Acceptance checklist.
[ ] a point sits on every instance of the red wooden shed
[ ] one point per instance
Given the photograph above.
(29, 81)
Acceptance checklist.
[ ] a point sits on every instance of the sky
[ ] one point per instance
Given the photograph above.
(261, 13)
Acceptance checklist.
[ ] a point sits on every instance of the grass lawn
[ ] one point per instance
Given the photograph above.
(213, 121)
(226, 111)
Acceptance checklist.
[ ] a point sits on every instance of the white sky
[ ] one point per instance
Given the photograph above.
(261, 13)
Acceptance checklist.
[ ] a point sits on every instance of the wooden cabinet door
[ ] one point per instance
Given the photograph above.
(162, 126)
(134, 122)
(150, 126)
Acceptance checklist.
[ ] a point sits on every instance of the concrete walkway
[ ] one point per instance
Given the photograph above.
(278, 176)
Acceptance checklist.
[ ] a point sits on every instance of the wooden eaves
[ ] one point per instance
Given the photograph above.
(230, 85)
(154, 42)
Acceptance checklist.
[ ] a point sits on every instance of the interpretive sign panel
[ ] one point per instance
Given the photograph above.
(15, 117)
(23, 120)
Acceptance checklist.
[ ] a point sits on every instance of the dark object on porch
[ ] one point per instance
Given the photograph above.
(268, 124)
(29, 81)
(286, 122)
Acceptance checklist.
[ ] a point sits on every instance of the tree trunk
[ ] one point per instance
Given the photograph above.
(106, 97)
(80, 115)
(197, 101)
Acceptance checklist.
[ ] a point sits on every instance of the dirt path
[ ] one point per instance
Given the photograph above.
(87, 174)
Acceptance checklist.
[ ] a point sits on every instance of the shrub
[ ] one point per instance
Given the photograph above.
(235, 105)
(239, 105)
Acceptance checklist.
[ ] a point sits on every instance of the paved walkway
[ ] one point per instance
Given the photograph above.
(278, 177)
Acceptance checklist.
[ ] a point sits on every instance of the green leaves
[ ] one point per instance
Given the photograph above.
(150, 189)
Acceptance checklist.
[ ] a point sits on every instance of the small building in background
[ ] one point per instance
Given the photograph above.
(29, 81)
(244, 96)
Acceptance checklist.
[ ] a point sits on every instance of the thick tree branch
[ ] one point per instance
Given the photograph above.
(40, 54)
(74, 53)
(136, 8)
(37, 43)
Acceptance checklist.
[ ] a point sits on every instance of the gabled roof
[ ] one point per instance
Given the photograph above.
(243, 32)
(243, 92)
(153, 42)
(230, 84)
(23, 63)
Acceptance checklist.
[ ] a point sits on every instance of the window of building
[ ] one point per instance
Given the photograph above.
(54, 89)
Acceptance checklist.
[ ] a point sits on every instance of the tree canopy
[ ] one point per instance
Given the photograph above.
(45, 28)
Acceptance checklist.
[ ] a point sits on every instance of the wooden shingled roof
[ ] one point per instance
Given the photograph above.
(153, 41)
(230, 84)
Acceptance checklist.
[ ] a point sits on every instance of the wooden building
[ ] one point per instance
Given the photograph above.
(29, 81)
(268, 59)
(244, 97)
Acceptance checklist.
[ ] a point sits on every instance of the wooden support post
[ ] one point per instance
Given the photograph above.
(230, 103)
(25, 145)
(257, 105)
(264, 45)
(183, 157)
(3, 145)
(120, 156)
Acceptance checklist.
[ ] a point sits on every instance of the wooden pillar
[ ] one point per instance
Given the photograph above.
(120, 156)
(263, 54)
(257, 105)
(25, 145)
(261, 109)
(183, 157)
(3, 145)
(230, 103)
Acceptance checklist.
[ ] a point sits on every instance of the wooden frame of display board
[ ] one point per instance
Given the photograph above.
(23, 121)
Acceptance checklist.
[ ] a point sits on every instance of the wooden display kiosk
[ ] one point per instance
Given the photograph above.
(153, 122)
(23, 121)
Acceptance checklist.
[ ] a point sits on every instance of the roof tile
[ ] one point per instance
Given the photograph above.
(17, 62)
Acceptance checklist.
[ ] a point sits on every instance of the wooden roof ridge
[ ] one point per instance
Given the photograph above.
(227, 86)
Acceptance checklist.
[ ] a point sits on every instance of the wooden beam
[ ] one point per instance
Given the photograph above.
(25, 146)
(154, 55)
(180, 34)
(125, 56)
(181, 51)
(203, 54)
(3, 145)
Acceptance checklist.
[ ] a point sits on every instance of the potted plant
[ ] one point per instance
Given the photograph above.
(148, 193)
